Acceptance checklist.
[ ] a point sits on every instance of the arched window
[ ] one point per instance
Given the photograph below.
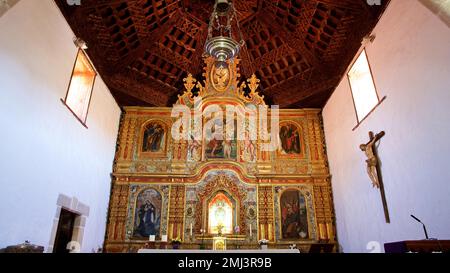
(220, 214)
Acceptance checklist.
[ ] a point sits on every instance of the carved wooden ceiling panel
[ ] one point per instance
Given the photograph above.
(298, 48)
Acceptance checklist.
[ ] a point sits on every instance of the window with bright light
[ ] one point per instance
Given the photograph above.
(220, 215)
(80, 87)
(363, 89)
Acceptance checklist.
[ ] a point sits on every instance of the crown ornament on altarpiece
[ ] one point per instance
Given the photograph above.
(221, 83)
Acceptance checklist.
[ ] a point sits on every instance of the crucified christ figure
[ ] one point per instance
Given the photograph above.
(372, 158)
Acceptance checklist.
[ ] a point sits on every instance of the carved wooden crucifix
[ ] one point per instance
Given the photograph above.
(373, 168)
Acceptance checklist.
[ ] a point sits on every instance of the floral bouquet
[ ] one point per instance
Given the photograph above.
(176, 242)
(237, 229)
(263, 243)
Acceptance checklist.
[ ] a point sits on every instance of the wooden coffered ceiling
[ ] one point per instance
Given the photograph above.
(298, 48)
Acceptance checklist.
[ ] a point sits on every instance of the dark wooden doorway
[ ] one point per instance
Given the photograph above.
(64, 232)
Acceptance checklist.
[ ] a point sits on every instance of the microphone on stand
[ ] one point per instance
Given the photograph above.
(424, 228)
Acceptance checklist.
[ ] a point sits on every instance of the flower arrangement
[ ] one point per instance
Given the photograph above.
(263, 243)
(237, 229)
(177, 241)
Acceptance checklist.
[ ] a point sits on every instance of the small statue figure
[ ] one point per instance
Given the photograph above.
(194, 147)
(372, 159)
(249, 148)
(220, 229)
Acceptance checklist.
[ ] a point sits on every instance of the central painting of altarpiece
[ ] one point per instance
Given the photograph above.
(195, 187)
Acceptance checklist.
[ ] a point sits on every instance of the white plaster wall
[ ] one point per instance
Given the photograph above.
(44, 150)
(410, 59)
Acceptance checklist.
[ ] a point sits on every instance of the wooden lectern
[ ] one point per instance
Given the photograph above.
(422, 246)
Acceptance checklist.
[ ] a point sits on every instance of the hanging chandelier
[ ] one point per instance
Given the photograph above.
(220, 43)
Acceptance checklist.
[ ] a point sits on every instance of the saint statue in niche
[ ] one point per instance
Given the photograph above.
(290, 139)
(148, 213)
(154, 138)
(294, 220)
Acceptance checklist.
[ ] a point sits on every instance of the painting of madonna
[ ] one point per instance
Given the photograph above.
(148, 213)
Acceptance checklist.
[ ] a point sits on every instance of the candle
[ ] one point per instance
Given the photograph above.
(251, 230)
(191, 229)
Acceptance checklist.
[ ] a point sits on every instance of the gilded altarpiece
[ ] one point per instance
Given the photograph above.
(164, 187)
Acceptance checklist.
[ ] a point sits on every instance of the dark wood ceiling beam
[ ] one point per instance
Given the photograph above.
(137, 15)
(259, 5)
(296, 43)
(89, 4)
(148, 43)
(247, 62)
(248, 66)
(142, 91)
(304, 91)
(365, 6)
(197, 60)
(174, 58)
(351, 5)
(273, 55)
(83, 23)
(303, 81)
(185, 4)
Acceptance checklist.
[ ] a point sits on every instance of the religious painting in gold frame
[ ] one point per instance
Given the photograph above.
(293, 210)
(153, 139)
(220, 144)
(147, 213)
(291, 141)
